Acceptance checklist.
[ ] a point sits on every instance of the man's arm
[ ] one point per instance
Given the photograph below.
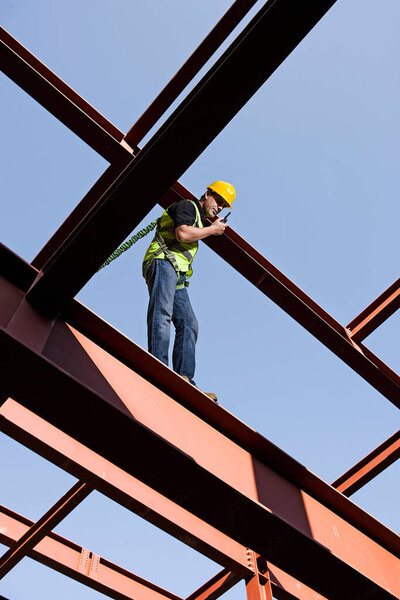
(188, 233)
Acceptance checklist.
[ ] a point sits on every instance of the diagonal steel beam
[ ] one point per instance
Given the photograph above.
(189, 69)
(216, 586)
(145, 365)
(63, 555)
(370, 466)
(35, 434)
(60, 100)
(74, 561)
(258, 51)
(37, 531)
(42, 438)
(376, 313)
(248, 507)
(256, 589)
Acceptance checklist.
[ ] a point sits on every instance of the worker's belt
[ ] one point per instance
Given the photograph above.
(166, 247)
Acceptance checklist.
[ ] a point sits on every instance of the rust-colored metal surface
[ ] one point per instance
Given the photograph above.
(41, 528)
(376, 313)
(370, 466)
(331, 548)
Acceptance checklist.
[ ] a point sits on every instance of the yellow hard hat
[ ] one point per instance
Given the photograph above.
(226, 190)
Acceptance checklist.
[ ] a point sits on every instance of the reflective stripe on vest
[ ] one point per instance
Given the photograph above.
(165, 245)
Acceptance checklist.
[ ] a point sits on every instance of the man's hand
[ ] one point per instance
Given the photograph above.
(218, 227)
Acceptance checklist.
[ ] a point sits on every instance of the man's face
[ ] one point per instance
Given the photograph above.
(213, 204)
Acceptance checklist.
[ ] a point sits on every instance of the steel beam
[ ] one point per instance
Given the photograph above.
(60, 100)
(167, 381)
(376, 313)
(78, 563)
(75, 458)
(37, 531)
(42, 438)
(189, 69)
(218, 585)
(249, 508)
(370, 466)
(255, 588)
(257, 52)
(98, 573)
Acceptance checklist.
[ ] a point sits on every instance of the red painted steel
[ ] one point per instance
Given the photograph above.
(68, 454)
(147, 366)
(64, 556)
(189, 69)
(218, 585)
(114, 581)
(41, 528)
(253, 481)
(376, 313)
(255, 589)
(370, 466)
(41, 437)
(60, 100)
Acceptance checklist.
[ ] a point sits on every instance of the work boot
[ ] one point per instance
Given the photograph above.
(209, 394)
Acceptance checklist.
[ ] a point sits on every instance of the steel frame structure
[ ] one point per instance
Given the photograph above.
(287, 533)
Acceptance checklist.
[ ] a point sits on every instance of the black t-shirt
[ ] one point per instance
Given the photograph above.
(184, 213)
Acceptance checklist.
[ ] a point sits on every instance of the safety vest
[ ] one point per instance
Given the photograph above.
(166, 246)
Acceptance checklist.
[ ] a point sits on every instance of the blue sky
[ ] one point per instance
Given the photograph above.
(314, 157)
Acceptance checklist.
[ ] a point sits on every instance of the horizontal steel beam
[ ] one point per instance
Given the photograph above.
(43, 526)
(166, 380)
(189, 69)
(68, 454)
(75, 458)
(257, 52)
(78, 563)
(60, 100)
(249, 507)
(376, 313)
(370, 466)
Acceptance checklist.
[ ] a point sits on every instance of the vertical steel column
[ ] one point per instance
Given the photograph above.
(259, 586)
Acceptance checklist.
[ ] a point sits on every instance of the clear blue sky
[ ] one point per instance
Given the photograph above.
(315, 160)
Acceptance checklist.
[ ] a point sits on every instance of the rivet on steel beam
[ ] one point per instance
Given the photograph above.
(94, 566)
(84, 561)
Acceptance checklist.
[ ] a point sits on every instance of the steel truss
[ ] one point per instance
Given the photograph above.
(318, 544)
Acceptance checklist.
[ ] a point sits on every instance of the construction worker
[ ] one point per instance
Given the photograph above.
(167, 266)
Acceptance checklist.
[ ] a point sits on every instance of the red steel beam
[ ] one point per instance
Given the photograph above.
(369, 467)
(270, 37)
(112, 580)
(218, 585)
(189, 69)
(376, 313)
(75, 458)
(255, 588)
(167, 381)
(37, 531)
(190, 469)
(60, 100)
(41, 437)
(78, 563)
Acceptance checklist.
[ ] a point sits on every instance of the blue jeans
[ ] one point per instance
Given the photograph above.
(166, 303)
